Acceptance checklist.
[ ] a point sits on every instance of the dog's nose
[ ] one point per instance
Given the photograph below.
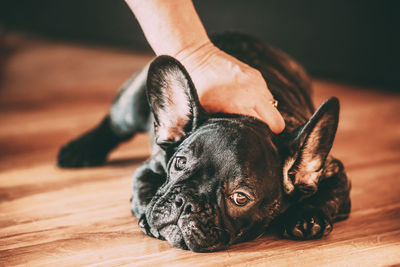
(185, 206)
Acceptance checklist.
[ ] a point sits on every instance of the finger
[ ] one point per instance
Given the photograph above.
(267, 112)
(254, 114)
(271, 116)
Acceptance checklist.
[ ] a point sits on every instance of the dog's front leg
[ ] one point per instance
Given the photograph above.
(146, 181)
(313, 217)
(128, 115)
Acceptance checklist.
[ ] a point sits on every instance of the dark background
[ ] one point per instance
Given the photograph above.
(351, 41)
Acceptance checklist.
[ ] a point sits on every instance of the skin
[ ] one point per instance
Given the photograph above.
(223, 83)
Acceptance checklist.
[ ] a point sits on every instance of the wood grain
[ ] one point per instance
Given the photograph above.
(51, 92)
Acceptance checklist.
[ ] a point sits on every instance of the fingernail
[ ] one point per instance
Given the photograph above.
(279, 123)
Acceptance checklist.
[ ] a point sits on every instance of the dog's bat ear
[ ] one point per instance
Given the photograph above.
(309, 150)
(173, 101)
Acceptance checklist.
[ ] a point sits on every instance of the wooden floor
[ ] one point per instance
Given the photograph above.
(51, 92)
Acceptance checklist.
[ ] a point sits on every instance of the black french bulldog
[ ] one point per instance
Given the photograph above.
(217, 179)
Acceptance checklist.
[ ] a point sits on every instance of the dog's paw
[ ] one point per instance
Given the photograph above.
(305, 224)
(85, 151)
(137, 210)
(144, 226)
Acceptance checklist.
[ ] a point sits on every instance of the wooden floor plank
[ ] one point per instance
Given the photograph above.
(50, 92)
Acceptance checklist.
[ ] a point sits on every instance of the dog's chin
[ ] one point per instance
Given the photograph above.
(174, 236)
(189, 237)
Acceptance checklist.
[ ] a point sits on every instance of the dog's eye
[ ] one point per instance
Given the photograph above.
(240, 199)
(180, 163)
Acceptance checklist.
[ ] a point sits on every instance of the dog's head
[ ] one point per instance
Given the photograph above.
(228, 176)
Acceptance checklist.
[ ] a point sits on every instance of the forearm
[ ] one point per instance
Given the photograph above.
(171, 27)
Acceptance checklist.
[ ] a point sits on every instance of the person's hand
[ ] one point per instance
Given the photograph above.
(225, 84)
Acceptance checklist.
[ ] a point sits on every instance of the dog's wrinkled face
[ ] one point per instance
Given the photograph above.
(215, 195)
(226, 178)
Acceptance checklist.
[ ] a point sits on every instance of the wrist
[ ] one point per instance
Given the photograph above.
(180, 45)
(199, 60)
(207, 64)
(196, 53)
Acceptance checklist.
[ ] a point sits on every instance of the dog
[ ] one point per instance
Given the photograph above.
(217, 179)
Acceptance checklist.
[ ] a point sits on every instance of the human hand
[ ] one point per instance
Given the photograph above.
(225, 84)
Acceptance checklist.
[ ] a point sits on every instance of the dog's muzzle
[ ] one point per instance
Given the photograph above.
(188, 223)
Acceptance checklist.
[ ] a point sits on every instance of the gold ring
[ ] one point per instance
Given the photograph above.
(274, 103)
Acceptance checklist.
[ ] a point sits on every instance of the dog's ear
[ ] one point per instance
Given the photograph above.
(173, 100)
(309, 150)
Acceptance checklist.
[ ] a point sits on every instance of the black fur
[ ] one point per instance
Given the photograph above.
(185, 193)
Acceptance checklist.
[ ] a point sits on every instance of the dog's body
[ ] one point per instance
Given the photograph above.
(217, 179)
